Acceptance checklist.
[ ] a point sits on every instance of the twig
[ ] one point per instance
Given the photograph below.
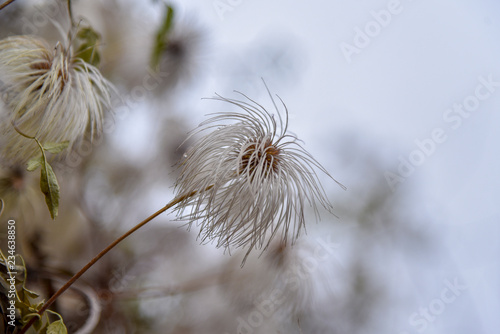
(45, 306)
(70, 13)
(202, 282)
(5, 4)
(87, 292)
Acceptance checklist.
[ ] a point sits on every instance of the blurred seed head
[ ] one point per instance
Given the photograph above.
(279, 282)
(49, 93)
(19, 192)
(12, 181)
(252, 180)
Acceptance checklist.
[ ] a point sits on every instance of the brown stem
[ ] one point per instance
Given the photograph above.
(70, 14)
(72, 280)
(5, 4)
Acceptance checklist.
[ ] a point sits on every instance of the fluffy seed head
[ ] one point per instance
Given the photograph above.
(251, 179)
(48, 93)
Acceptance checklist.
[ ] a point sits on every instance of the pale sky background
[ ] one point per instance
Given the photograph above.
(429, 57)
(395, 91)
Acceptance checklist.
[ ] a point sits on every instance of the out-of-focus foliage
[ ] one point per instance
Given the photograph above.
(162, 37)
(13, 276)
(88, 44)
(48, 179)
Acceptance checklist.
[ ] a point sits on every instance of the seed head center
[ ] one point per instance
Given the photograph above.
(257, 156)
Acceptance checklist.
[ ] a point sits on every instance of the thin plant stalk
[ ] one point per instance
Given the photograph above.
(72, 280)
(5, 4)
(70, 14)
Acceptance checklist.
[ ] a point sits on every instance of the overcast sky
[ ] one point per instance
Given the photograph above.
(417, 80)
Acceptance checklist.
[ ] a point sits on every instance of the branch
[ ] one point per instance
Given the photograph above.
(5, 4)
(72, 280)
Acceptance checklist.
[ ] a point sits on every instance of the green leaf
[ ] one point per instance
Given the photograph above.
(26, 308)
(56, 147)
(42, 327)
(57, 327)
(50, 188)
(87, 50)
(34, 163)
(37, 325)
(28, 293)
(161, 36)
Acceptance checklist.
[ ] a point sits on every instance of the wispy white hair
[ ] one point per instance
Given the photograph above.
(47, 93)
(250, 178)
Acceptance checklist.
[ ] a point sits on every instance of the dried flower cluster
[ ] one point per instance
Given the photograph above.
(47, 93)
(251, 178)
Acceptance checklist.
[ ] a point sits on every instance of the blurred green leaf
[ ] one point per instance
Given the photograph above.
(88, 40)
(42, 327)
(56, 147)
(48, 179)
(34, 163)
(37, 325)
(162, 36)
(25, 308)
(50, 188)
(57, 327)
(24, 294)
